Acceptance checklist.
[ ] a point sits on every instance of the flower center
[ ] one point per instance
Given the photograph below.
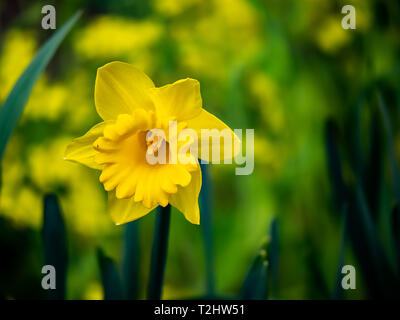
(122, 152)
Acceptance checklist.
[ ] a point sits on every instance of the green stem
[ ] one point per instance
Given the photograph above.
(159, 253)
(131, 260)
(206, 226)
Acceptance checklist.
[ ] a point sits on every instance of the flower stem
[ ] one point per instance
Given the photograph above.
(131, 260)
(159, 253)
(206, 226)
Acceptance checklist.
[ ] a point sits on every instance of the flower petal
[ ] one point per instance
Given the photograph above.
(81, 149)
(229, 145)
(126, 210)
(180, 100)
(186, 199)
(121, 88)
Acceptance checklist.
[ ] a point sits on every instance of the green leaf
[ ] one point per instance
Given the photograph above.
(368, 171)
(255, 284)
(373, 171)
(109, 277)
(159, 253)
(360, 228)
(334, 164)
(378, 273)
(54, 243)
(389, 137)
(396, 233)
(130, 264)
(338, 289)
(273, 257)
(14, 105)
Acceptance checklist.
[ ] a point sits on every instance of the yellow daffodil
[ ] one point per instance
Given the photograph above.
(131, 107)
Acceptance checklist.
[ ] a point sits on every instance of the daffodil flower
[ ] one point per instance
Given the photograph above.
(131, 106)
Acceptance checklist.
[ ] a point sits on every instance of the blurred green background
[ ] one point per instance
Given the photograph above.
(280, 67)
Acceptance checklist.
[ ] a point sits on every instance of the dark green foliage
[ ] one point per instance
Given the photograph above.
(54, 244)
(159, 253)
(372, 177)
(337, 289)
(396, 234)
(359, 223)
(109, 277)
(273, 258)
(263, 273)
(206, 227)
(255, 284)
(18, 249)
(131, 261)
(390, 145)
(334, 164)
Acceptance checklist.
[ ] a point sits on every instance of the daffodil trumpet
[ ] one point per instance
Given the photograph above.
(137, 127)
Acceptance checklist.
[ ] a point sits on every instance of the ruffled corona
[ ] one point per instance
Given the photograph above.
(122, 153)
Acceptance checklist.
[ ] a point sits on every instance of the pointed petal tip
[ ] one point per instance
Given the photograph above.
(195, 221)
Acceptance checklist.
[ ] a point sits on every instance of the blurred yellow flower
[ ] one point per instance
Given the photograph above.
(52, 107)
(223, 33)
(131, 107)
(331, 36)
(111, 36)
(18, 201)
(108, 36)
(172, 8)
(18, 50)
(268, 100)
